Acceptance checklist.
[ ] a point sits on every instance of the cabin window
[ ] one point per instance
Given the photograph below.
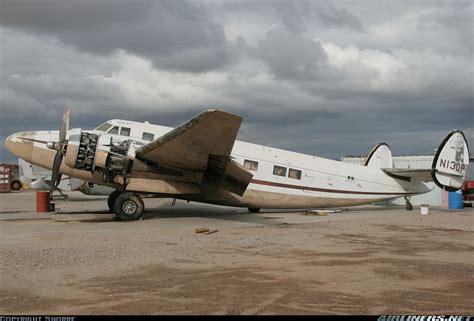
(114, 130)
(125, 131)
(294, 173)
(250, 165)
(279, 171)
(104, 127)
(148, 136)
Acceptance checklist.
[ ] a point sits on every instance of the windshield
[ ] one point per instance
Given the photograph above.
(104, 127)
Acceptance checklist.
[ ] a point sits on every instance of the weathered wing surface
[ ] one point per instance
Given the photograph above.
(188, 147)
(203, 144)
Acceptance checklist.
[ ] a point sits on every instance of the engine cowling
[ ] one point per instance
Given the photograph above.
(81, 149)
(97, 153)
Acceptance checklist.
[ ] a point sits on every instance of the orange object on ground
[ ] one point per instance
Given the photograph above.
(42, 201)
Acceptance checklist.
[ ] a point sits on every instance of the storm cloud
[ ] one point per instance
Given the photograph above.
(172, 34)
(318, 77)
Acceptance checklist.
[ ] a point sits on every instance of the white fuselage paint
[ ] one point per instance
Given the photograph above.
(323, 182)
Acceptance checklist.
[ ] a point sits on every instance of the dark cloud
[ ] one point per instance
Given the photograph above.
(318, 77)
(452, 15)
(291, 56)
(300, 15)
(172, 34)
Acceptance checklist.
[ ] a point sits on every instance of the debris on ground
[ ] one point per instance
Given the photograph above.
(201, 229)
(320, 212)
(205, 230)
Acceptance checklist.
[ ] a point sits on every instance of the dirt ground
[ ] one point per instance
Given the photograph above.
(366, 260)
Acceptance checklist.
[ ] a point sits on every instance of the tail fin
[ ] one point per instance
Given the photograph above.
(380, 157)
(450, 163)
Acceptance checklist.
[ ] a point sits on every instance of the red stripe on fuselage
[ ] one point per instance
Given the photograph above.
(260, 182)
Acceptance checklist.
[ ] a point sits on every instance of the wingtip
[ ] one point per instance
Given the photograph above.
(222, 112)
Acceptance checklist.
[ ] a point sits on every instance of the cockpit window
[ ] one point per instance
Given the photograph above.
(114, 130)
(104, 127)
(125, 131)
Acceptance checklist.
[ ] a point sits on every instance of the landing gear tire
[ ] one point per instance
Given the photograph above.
(16, 185)
(254, 210)
(128, 207)
(111, 200)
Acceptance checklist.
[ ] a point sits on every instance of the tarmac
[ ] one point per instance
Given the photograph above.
(359, 260)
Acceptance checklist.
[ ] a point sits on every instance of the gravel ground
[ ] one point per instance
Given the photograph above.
(367, 260)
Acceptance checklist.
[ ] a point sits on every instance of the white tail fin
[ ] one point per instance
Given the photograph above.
(380, 157)
(450, 163)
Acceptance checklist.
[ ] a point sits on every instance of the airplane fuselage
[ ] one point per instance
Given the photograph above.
(281, 179)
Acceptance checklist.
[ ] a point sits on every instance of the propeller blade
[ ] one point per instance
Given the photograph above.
(64, 126)
(59, 179)
(55, 175)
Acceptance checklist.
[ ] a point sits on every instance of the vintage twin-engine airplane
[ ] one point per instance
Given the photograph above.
(202, 161)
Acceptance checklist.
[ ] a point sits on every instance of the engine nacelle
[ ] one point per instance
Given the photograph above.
(112, 165)
(97, 153)
(73, 147)
(81, 148)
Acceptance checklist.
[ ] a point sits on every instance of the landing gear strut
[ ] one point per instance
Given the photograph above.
(408, 205)
(128, 206)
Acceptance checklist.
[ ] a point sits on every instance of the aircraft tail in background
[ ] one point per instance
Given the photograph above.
(449, 168)
(450, 163)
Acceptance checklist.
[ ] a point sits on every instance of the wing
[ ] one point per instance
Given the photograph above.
(188, 147)
(203, 144)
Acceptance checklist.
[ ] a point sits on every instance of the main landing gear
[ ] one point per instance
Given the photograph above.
(126, 206)
(111, 200)
(254, 210)
(408, 205)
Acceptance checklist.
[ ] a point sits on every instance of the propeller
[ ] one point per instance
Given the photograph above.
(59, 148)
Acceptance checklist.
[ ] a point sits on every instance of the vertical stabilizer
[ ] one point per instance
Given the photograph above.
(380, 157)
(450, 163)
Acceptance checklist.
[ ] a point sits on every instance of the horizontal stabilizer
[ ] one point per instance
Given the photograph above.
(407, 174)
(449, 166)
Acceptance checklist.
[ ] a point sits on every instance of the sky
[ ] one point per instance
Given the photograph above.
(326, 78)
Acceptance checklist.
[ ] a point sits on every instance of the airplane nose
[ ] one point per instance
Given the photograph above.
(19, 147)
(10, 142)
